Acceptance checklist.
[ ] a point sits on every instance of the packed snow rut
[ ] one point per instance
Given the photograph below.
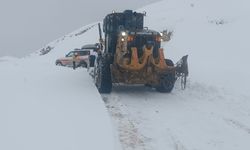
(129, 135)
(200, 117)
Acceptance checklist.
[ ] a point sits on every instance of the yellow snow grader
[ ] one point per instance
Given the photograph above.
(132, 54)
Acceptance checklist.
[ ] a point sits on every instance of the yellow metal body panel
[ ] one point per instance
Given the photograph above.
(129, 68)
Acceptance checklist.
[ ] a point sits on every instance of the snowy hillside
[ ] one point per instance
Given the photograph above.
(214, 34)
(47, 107)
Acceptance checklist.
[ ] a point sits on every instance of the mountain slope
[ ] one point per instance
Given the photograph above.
(214, 34)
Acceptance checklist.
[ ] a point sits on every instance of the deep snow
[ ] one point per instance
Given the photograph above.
(212, 113)
(43, 106)
(218, 52)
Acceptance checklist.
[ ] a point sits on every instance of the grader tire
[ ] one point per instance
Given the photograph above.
(167, 80)
(103, 80)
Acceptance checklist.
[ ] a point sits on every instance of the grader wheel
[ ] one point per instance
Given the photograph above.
(167, 80)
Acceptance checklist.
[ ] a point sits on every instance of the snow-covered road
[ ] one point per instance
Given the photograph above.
(201, 117)
(43, 106)
(213, 113)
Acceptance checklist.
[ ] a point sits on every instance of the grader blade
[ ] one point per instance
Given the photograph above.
(182, 71)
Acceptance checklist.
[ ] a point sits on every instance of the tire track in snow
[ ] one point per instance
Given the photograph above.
(147, 119)
(130, 137)
(238, 125)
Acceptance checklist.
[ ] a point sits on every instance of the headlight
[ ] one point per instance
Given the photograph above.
(124, 33)
(122, 39)
(161, 33)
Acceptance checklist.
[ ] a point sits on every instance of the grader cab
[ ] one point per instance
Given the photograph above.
(132, 54)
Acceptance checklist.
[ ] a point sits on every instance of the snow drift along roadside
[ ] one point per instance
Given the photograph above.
(43, 106)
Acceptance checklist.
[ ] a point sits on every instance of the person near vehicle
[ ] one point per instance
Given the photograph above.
(92, 57)
(75, 60)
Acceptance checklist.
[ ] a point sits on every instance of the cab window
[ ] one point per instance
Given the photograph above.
(70, 54)
(84, 53)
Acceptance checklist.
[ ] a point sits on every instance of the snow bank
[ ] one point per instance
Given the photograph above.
(43, 106)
